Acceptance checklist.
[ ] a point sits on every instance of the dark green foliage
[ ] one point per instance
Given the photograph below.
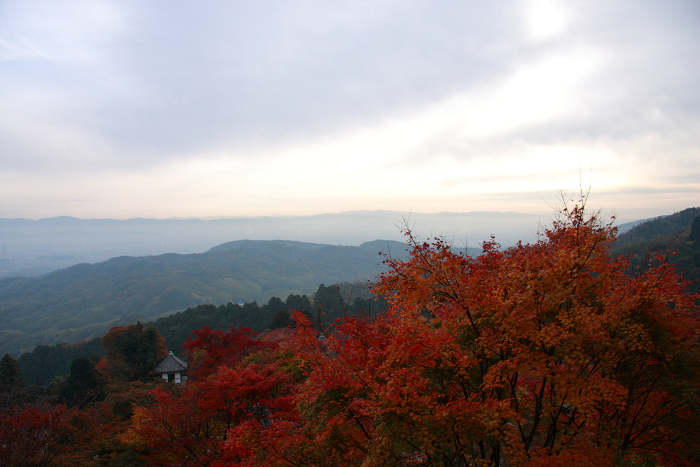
(282, 319)
(132, 352)
(176, 328)
(347, 299)
(10, 374)
(659, 227)
(46, 362)
(330, 301)
(86, 300)
(655, 234)
(688, 258)
(671, 236)
(84, 383)
(695, 230)
(298, 303)
(276, 304)
(369, 306)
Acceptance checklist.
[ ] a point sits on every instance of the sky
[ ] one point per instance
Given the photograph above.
(122, 109)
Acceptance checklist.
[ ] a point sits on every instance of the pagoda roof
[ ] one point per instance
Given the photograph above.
(171, 364)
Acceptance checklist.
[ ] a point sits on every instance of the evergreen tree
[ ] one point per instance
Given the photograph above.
(10, 374)
(299, 303)
(133, 351)
(84, 381)
(281, 320)
(276, 304)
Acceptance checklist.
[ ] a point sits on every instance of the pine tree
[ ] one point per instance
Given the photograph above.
(281, 320)
(10, 374)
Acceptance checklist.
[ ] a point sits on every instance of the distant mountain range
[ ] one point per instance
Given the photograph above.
(37, 247)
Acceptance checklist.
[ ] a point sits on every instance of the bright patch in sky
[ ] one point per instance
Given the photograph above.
(546, 19)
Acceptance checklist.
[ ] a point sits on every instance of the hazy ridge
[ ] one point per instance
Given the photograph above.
(36, 247)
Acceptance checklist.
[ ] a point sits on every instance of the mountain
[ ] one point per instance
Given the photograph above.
(84, 300)
(622, 228)
(36, 247)
(677, 235)
(659, 227)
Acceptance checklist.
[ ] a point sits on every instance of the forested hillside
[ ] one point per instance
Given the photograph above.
(677, 236)
(46, 362)
(85, 300)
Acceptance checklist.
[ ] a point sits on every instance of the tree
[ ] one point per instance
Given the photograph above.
(133, 351)
(10, 374)
(10, 383)
(177, 430)
(43, 435)
(211, 348)
(298, 303)
(275, 304)
(538, 354)
(84, 383)
(281, 320)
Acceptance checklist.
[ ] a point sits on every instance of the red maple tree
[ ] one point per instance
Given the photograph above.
(212, 348)
(35, 435)
(539, 354)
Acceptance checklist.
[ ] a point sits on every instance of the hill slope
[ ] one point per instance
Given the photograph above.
(679, 233)
(85, 300)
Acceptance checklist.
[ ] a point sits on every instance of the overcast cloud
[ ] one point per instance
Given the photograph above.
(169, 108)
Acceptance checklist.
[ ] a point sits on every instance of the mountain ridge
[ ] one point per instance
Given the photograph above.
(36, 247)
(83, 300)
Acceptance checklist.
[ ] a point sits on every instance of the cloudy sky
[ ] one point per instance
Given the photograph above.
(173, 109)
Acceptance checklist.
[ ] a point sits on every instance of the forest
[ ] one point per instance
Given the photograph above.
(559, 352)
(45, 363)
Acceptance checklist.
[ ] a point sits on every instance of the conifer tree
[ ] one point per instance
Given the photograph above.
(10, 374)
(133, 351)
(281, 320)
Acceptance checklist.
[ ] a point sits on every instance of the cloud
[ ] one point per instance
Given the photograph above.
(546, 19)
(178, 78)
(284, 107)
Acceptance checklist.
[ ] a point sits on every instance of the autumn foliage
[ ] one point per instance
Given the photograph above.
(543, 354)
(39, 435)
(212, 348)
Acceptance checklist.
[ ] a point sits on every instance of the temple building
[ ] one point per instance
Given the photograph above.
(172, 369)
